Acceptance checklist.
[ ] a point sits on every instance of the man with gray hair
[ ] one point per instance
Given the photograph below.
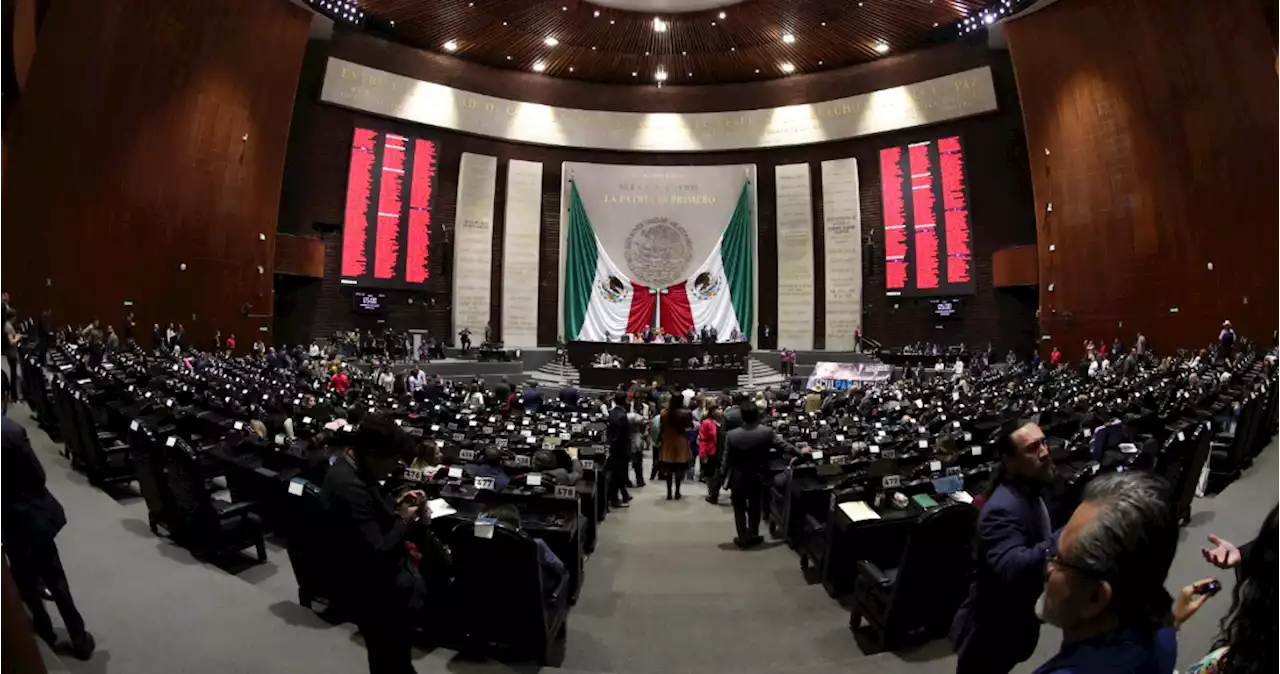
(1104, 587)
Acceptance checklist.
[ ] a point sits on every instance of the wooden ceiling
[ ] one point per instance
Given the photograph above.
(599, 44)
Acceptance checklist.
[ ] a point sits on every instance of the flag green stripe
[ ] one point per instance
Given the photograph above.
(735, 254)
(580, 265)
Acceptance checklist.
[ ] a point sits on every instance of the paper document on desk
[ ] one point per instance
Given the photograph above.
(961, 496)
(439, 507)
(858, 511)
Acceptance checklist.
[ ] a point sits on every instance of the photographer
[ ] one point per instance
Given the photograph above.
(379, 580)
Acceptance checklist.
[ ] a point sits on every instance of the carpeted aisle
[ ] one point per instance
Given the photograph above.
(665, 592)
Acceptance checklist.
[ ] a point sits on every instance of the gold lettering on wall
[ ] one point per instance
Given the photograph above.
(949, 97)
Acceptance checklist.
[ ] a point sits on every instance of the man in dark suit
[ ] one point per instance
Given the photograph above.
(996, 626)
(368, 544)
(545, 462)
(32, 518)
(618, 433)
(746, 460)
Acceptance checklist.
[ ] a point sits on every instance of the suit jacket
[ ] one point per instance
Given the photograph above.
(618, 433)
(30, 511)
(747, 451)
(367, 542)
(1013, 539)
(564, 476)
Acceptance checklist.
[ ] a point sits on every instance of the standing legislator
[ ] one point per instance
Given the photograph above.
(996, 627)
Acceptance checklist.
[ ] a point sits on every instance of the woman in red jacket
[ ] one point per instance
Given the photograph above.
(707, 431)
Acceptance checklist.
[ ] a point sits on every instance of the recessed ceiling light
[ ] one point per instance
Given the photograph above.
(935, 24)
(451, 45)
(721, 15)
(713, 23)
(597, 13)
(819, 62)
(633, 74)
(882, 48)
(593, 49)
(659, 26)
(757, 71)
(610, 22)
(508, 58)
(504, 23)
(646, 53)
(660, 75)
(690, 74)
(788, 38)
(824, 23)
(733, 49)
(787, 68)
(539, 67)
(551, 42)
(564, 9)
(684, 53)
(570, 68)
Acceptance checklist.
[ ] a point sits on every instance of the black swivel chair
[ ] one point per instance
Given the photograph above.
(915, 601)
(209, 526)
(308, 545)
(148, 457)
(505, 601)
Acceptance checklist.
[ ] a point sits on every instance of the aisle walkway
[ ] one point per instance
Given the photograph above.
(665, 593)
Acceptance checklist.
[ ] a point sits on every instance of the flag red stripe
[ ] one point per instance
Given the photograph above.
(641, 315)
(676, 315)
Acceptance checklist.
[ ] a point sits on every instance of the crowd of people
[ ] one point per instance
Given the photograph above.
(1099, 576)
(658, 335)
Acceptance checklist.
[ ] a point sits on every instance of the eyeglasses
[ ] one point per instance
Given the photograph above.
(1057, 560)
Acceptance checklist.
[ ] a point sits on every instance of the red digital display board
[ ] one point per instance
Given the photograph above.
(386, 233)
(927, 241)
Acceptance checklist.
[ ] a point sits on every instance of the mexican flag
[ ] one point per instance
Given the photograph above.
(601, 303)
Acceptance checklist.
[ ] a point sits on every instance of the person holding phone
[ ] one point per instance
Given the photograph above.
(379, 582)
(1247, 639)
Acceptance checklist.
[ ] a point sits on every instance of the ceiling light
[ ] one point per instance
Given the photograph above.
(935, 24)
(690, 74)
(597, 13)
(610, 22)
(504, 23)
(551, 42)
(788, 38)
(593, 49)
(539, 67)
(684, 53)
(660, 75)
(646, 53)
(824, 23)
(659, 26)
(733, 49)
(882, 48)
(757, 71)
(633, 73)
(451, 45)
(788, 68)
(570, 68)
(564, 9)
(713, 23)
(987, 19)
(721, 15)
(819, 62)
(508, 58)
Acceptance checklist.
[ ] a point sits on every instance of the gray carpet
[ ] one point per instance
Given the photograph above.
(664, 593)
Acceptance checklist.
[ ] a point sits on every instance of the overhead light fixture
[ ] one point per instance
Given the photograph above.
(634, 73)
(570, 68)
(508, 58)
(690, 74)
(660, 75)
(596, 14)
(721, 15)
(451, 45)
(987, 19)
(757, 71)
(788, 38)
(787, 68)
(824, 23)
(819, 62)
(539, 67)
(882, 48)
(659, 26)
(713, 23)
(551, 42)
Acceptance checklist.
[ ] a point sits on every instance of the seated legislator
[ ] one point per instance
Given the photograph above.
(545, 462)
(996, 627)
(553, 571)
(368, 532)
(489, 464)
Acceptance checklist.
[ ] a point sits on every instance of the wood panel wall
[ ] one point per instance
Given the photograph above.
(1000, 194)
(299, 255)
(149, 136)
(1154, 141)
(1014, 266)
